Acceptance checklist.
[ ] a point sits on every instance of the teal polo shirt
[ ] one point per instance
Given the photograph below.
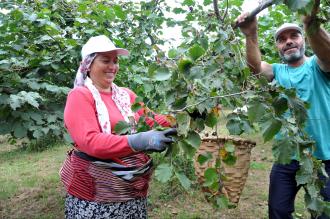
(313, 86)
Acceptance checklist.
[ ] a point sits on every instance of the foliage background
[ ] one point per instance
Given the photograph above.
(41, 42)
(40, 53)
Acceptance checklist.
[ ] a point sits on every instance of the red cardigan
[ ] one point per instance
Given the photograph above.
(80, 118)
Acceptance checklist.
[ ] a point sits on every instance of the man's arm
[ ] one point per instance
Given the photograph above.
(320, 44)
(318, 38)
(253, 54)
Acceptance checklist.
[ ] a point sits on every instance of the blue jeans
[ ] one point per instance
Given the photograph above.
(283, 189)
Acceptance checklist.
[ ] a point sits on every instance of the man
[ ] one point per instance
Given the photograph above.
(311, 78)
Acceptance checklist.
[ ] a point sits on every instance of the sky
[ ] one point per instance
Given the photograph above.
(172, 34)
(249, 5)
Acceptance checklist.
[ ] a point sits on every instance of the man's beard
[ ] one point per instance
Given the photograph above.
(293, 57)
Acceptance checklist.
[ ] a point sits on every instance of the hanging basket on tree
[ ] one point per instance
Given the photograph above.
(232, 176)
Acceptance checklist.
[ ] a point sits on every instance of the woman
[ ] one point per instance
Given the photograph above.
(106, 175)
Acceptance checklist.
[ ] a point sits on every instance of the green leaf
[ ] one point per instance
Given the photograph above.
(280, 105)
(313, 203)
(188, 150)
(188, 2)
(173, 150)
(196, 72)
(302, 179)
(183, 121)
(230, 159)
(136, 107)
(256, 111)
(204, 43)
(305, 172)
(234, 126)
(222, 202)
(299, 110)
(51, 118)
(119, 12)
(45, 130)
(163, 172)
(15, 101)
(37, 134)
(20, 131)
(172, 53)
(193, 139)
(122, 127)
(162, 74)
(262, 81)
(17, 14)
(271, 128)
(5, 128)
(183, 179)
(198, 124)
(283, 151)
(36, 117)
(229, 147)
(196, 51)
(326, 209)
(178, 11)
(184, 65)
(31, 98)
(207, 2)
(210, 176)
(203, 158)
(211, 119)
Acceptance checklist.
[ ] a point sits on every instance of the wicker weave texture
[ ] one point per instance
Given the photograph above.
(236, 175)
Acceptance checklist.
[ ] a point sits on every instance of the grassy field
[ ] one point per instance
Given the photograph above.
(30, 188)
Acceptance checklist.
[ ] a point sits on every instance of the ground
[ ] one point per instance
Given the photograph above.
(30, 188)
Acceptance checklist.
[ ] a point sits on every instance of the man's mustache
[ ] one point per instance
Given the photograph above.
(289, 47)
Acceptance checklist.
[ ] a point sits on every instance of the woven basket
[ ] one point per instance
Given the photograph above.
(236, 174)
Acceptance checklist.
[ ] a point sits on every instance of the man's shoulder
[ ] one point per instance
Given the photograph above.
(278, 67)
(312, 60)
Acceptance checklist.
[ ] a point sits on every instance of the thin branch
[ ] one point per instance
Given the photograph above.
(216, 10)
(220, 96)
(7, 90)
(254, 13)
(225, 14)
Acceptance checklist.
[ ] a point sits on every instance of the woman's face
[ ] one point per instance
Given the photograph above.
(103, 70)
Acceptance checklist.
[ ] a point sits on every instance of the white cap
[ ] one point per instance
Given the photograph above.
(287, 26)
(101, 44)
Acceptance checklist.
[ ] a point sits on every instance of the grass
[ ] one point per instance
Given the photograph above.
(29, 183)
(30, 188)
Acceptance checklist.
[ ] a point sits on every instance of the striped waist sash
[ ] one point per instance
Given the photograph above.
(106, 181)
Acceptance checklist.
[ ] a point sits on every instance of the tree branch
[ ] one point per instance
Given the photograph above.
(225, 14)
(216, 10)
(220, 96)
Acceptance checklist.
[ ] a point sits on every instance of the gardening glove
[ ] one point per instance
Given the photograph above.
(155, 141)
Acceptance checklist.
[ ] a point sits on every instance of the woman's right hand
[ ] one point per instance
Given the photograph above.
(154, 141)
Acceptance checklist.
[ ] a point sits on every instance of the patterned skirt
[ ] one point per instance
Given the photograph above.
(76, 208)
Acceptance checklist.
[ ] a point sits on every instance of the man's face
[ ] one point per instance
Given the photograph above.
(291, 46)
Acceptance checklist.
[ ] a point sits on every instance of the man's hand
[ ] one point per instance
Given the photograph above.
(311, 19)
(248, 28)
